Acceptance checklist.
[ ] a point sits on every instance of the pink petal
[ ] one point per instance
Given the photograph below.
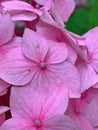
(91, 111)
(54, 55)
(92, 45)
(84, 110)
(57, 102)
(58, 73)
(72, 55)
(3, 87)
(3, 109)
(36, 45)
(66, 72)
(86, 73)
(41, 2)
(19, 5)
(23, 15)
(17, 124)
(72, 41)
(61, 122)
(84, 123)
(6, 29)
(26, 104)
(18, 73)
(43, 105)
(65, 11)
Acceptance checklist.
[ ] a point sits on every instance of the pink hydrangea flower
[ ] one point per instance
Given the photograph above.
(43, 65)
(72, 38)
(88, 70)
(37, 110)
(42, 28)
(84, 110)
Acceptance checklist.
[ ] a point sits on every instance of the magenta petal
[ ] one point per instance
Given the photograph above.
(6, 29)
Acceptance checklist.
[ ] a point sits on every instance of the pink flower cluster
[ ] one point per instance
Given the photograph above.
(48, 75)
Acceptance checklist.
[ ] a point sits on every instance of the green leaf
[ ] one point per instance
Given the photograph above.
(84, 19)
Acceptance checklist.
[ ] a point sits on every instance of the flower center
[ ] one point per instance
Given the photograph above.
(37, 123)
(42, 65)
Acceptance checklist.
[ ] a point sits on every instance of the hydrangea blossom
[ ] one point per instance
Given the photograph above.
(43, 65)
(44, 112)
(89, 69)
(84, 110)
(48, 75)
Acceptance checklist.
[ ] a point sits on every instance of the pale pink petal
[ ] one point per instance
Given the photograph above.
(41, 2)
(3, 92)
(6, 29)
(42, 105)
(3, 87)
(23, 15)
(19, 5)
(84, 123)
(47, 5)
(57, 73)
(72, 55)
(18, 73)
(3, 109)
(92, 45)
(57, 102)
(63, 8)
(61, 123)
(17, 124)
(84, 110)
(53, 33)
(86, 73)
(72, 41)
(66, 72)
(91, 106)
(25, 103)
(57, 52)
(36, 45)
(74, 110)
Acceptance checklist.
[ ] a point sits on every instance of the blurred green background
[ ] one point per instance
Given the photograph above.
(84, 18)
